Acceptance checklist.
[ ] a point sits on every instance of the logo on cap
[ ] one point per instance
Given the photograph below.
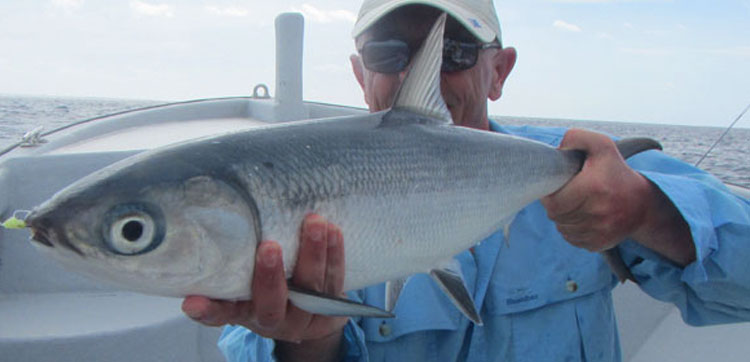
(475, 23)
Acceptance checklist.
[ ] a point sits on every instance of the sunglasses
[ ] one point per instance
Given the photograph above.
(393, 55)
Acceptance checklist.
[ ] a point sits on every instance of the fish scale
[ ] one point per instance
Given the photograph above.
(379, 199)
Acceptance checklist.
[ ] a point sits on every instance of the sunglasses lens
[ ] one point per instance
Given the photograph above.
(388, 56)
(392, 56)
(458, 55)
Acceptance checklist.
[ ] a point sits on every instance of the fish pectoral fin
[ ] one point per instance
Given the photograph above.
(392, 291)
(318, 303)
(451, 282)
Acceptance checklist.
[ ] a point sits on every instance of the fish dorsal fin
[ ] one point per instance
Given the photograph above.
(420, 90)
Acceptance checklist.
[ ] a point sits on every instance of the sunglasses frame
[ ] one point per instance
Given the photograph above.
(451, 62)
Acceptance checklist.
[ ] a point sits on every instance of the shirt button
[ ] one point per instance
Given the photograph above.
(385, 330)
(571, 286)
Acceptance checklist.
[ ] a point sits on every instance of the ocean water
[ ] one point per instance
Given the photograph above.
(729, 161)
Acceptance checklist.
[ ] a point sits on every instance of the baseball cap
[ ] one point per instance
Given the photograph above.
(478, 16)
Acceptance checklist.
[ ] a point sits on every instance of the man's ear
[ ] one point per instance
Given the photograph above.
(359, 73)
(503, 62)
(357, 69)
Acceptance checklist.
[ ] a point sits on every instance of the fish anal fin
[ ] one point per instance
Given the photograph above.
(451, 282)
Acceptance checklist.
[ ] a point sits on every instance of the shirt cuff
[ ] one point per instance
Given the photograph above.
(354, 347)
(712, 288)
(239, 344)
(692, 198)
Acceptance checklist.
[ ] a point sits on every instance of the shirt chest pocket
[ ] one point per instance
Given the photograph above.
(508, 297)
(425, 318)
(422, 306)
(539, 268)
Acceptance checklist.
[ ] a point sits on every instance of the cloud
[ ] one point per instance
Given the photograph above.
(67, 4)
(583, 1)
(648, 51)
(741, 51)
(148, 9)
(331, 68)
(608, 1)
(736, 51)
(325, 16)
(67, 7)
(228, 11)
(566, 26)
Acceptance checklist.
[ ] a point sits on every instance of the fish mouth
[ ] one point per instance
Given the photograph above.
(41, 235)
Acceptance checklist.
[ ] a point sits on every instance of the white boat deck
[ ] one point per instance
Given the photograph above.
(651, 331)
(95, 326)
(156, 135)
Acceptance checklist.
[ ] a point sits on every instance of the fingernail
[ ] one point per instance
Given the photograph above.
(315, 233)
(270, 258)
(334, 240)
(314, 228)
(194, 314)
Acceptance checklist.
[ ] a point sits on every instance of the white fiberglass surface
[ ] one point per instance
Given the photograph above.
(673, 340)
(67, 314)
(156, 135)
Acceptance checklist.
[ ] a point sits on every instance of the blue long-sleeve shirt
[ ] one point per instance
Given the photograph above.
(542, 299)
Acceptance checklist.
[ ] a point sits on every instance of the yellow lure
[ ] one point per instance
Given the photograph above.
(14, 223)
(17, 221)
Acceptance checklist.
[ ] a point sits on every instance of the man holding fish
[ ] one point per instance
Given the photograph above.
(541, 292)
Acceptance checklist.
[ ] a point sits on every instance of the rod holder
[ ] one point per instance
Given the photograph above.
(290, 29)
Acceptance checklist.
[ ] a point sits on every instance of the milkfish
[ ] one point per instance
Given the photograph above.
(408, 189)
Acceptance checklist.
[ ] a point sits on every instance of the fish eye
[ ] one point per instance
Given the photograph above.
(132, 229)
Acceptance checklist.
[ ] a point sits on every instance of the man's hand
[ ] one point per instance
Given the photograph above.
(608, 202)
(319, 267)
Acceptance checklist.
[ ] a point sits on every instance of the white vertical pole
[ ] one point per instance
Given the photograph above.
(289, 40)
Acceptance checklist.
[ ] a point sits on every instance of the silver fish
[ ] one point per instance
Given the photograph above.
(408, 190)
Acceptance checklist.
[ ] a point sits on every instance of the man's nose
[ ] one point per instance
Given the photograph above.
(402, 74)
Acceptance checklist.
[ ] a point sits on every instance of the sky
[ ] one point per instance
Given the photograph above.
(655, 61)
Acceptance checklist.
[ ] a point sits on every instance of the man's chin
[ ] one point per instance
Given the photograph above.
(453, 113)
